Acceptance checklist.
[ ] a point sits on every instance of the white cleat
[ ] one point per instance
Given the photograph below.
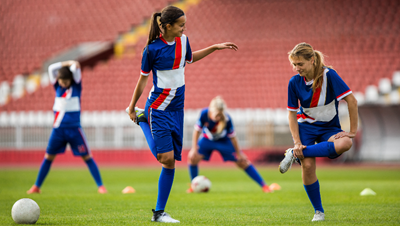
(140, 117)
(318, 216)
(163, 217)
(287, 162)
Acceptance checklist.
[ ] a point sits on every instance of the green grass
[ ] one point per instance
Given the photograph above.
(69, 197)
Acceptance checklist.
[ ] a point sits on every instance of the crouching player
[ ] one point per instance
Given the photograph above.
(219, 134)
(66, 79)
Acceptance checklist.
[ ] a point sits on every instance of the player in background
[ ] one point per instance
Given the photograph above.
(67, 81)
(218, 134)
(166, 54)
(319, 89)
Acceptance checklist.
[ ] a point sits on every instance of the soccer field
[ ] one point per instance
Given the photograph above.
(69, 197)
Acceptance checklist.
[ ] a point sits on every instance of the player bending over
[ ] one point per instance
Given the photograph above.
(219, 134)
(319, 89)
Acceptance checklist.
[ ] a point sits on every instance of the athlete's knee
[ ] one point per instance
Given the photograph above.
(243, 164)
(166, 159)
(308, 166)
(86, 157)
(343, 145)
(49, 157)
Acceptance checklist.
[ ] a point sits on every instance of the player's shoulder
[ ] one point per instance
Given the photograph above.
(295, 78)
(331, 73)
(204, 111)
(154, 45)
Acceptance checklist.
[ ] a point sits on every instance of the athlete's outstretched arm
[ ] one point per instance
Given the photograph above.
(200, 54)
(141, 84)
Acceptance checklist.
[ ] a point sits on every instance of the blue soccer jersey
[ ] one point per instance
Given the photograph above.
(167, 62)
(67, 103)
(209, 127)
(319, 107)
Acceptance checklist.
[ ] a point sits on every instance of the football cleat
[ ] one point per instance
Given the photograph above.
(102, 189)
(33, 189)
(163, 217)
(267, 189)
(287, 162)
(318, 216)
(140, 117)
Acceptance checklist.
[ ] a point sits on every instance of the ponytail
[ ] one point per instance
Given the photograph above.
(218, 104)
(168, 15)
(318, 69)
(154, 28)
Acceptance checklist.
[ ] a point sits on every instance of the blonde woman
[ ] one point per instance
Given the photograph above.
(318, 89)
(218, 134)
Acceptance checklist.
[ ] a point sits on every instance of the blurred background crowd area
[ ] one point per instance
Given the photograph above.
(360, 38)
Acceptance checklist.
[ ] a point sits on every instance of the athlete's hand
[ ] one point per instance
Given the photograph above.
(132, 114)
(344, 134)
(226, 45)
(193, 154)
(298, 150)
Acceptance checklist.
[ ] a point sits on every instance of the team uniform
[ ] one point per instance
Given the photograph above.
(165, 103)
(212, 140)
(221, 141)
(318, 120)
(317, 115)
(66, 127)
(67, 111)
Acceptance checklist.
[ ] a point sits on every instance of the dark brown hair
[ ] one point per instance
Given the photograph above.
(64, 73)
(168, 15)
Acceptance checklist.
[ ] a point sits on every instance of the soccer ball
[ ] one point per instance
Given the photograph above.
(25, 211)
(201, 184)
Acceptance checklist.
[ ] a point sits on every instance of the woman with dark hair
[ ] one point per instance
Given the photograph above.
(166, 54)
(67, 81)
(319, 89)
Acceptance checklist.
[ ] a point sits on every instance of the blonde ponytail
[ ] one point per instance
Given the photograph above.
(218, 104)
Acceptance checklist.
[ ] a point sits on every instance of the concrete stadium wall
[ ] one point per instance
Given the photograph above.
(380, 133)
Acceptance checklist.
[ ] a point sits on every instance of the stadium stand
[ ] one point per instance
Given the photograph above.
(361, 39)
(360, 43)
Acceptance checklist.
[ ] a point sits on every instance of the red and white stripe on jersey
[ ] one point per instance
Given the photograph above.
(171, 80)
(145, 73)
(343, 95)
(60, 106)
(318, 99)
(164, 99)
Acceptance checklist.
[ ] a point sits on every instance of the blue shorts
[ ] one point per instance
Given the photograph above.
(223, 146)
(311, 134)
(74, 136)
(167, 130)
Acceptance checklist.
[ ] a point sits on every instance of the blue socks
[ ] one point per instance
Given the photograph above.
(94, 170)
(44, 170)
(149, 137)
(164, 187)
(193, 171)
(314, 195)
(252, 172)
(323, 149)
